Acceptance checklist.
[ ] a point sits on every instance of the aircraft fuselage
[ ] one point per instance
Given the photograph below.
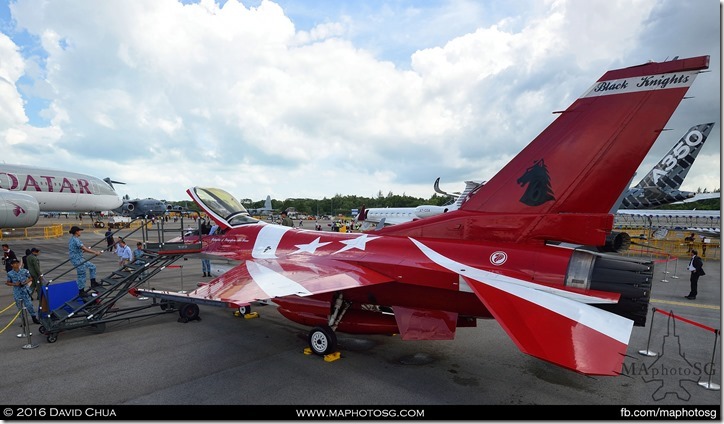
(58, 190)
(422, 279)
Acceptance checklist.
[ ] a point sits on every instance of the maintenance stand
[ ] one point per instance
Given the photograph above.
(63, 308)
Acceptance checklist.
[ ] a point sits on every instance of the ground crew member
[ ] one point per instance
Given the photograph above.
(35, 273)
(75, 254)
(18, 279)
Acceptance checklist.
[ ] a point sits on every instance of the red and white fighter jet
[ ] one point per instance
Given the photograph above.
(532, 248)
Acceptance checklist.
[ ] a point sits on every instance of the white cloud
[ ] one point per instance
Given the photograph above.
(12, 112)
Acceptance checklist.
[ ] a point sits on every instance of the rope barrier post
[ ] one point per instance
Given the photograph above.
(666, 268)
(676, 268)
(647, 352)
(708, 384)
(23, 323)
(26, 330)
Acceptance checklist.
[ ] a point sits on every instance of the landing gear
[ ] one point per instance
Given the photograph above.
(243, 310)
(99, 224)
(322, 340)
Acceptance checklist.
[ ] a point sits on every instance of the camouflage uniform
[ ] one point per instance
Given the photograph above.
(75, 253)
(20, 291)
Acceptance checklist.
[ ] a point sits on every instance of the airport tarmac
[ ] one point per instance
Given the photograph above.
(223, 359)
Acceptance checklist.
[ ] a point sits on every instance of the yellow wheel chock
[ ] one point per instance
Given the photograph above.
(331, 357)
(247, 316)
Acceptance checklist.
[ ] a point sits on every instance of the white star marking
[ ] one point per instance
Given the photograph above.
(311, 247)
(356, 243)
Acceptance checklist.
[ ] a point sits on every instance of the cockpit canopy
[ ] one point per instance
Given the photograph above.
(222, 206)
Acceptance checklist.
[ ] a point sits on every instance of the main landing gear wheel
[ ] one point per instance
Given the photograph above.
(52, 338)
(243, 310)
(41, 329)
(189, 312)
(322, 340)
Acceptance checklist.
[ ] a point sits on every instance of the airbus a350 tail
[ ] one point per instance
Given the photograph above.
(661, 185)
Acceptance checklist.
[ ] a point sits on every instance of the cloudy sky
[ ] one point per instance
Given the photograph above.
(309, 98)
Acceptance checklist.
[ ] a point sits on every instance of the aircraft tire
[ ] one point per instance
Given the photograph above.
(322, 340)
(52, 338)
(243, 310)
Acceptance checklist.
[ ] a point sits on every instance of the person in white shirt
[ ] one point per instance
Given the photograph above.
(124, 252)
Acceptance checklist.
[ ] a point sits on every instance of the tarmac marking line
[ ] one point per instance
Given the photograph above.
(675, 302)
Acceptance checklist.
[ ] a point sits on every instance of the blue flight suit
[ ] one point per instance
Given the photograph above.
(75, 254)
(20, 290)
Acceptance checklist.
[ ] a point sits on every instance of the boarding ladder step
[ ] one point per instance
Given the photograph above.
(111, 288)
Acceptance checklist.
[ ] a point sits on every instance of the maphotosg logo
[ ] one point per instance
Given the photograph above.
(670, 373)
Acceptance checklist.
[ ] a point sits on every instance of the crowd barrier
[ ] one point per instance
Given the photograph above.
(670, 314)
(50, 231)
(671, 246)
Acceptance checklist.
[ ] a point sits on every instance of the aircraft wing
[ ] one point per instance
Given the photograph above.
(261, 279)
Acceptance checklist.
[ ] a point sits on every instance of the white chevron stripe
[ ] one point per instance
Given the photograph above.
(569, 305)
(267, 241)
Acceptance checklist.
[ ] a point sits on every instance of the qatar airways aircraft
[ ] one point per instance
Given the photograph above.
(25, 191)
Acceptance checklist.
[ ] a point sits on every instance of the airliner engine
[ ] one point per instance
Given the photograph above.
(18, 210)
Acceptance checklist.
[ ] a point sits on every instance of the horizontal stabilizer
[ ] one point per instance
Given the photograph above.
(551, 324)
(565, 332)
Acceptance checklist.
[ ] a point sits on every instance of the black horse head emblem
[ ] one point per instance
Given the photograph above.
(539, 185)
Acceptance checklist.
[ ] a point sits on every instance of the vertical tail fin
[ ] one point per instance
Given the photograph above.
(564, 185)
(583, 161)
